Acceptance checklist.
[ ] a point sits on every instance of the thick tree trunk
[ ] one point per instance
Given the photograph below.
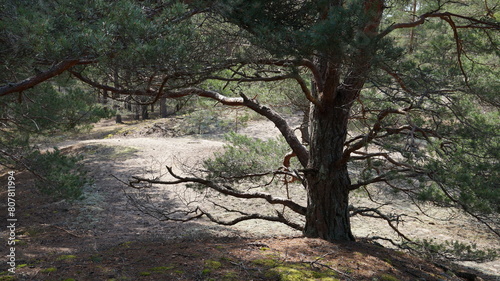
(328, 182)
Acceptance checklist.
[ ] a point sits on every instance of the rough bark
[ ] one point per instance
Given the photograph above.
(328, 183)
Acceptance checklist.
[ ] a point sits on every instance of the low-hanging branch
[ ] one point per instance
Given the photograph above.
(381, 178)
(43, 76)
(287, 132)
(226, 190)
(251, 79)
(245, 216)
(376, 213)
(474, 23)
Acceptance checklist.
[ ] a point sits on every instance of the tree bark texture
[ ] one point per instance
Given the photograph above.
(328, 182)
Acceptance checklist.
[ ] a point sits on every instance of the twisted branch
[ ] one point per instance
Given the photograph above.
(226, 190)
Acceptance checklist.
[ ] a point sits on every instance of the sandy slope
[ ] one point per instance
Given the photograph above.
(112, 218)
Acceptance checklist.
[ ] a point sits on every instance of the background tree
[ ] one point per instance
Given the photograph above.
(35, 47)
(405, 111)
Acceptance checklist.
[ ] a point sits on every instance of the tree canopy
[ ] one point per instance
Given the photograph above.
(402, 94)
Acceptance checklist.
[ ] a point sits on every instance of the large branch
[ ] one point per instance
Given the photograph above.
(475, 23)
(298, 148)
(381, 178)
(110, 88)
(237, 101)
(302, 83)
(31, 82)
(289, 135)
(252, 79)
(295, 63)
(387, 157)
(225, 190)
(233, 101)
(292, 140)
(305, 89)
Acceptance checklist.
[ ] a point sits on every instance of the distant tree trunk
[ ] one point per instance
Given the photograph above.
(116, 96)
(328, 183)
(412, 30)
(163, 107)
(137, 110)
(144, 112)
(104, 99)
(128, 104)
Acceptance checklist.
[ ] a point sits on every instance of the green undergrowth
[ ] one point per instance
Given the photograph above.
(455, 250)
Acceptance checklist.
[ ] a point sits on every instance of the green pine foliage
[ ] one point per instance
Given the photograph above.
(58, 175)
(47, 111)
(443, 148)
(242, 156)
(454, 250)
(468, 170)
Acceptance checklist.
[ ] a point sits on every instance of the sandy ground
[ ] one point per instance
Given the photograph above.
(106, 217)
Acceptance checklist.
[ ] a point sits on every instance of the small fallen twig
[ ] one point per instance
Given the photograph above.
(67, 231)
(317, 263)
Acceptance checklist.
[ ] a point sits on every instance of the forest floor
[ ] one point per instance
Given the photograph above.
(104, 237)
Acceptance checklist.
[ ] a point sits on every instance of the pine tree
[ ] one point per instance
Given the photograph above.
(415, 110)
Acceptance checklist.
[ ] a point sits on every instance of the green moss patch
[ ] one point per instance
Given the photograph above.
(161, 269)
(48, 270)
(66, 257)
(388, 277)
(210, 264)
(299, 272)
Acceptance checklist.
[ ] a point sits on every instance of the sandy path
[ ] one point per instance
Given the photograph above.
(107, 217)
